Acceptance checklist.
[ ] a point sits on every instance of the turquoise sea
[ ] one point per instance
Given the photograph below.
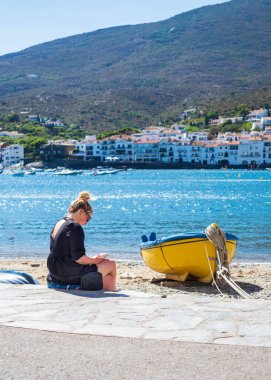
(132, 203)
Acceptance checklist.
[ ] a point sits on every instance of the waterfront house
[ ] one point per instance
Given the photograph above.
(209, 153)
(119, 147)
(57, 149)
(146, 150)
(12, 154)
(166, 151)
(267, 148)
(227, 153)
(171, 146)
(182, 150)
(88, 149)
(195, 152)
(251, 151)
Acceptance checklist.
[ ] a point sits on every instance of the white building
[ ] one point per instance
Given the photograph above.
(256, 115)
(228, 137)
(150, 133)
(13, 154)
(188, 114)
(195, 152)
(198, 136)
(146, 150)
(257, 125)
(251, 151)
(228, 149)
(53, 123)
(221, 120)
(182, 151)
(88, 149)
(267, 151)
(119, 148)
(166, 151)
(110, 149)
(12, 134)
(266, 122)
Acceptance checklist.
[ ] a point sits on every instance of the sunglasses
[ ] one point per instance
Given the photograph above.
(88, 216)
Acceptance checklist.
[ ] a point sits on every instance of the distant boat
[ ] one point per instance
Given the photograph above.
(30, 172)
(37, 170)
(69, 172)
(15, 172)
(103, 171)
(109, 171)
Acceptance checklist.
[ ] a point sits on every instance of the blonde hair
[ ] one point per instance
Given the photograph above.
(81, 202)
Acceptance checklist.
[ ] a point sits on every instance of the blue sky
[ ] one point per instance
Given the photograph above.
(26, 23)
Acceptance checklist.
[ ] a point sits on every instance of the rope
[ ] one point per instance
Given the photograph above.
(214, 281)
(222, 275)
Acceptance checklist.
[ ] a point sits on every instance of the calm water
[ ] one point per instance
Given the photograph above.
(130, 204)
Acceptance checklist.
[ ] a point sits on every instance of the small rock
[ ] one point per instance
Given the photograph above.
(127, 276)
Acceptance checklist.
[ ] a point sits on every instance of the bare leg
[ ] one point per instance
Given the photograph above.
(108, 269)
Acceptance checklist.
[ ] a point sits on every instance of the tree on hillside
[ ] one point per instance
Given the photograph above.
(242, 110)
(32, 146)
(266, 106)
(211, 115)
(232, 128)
(13, 118)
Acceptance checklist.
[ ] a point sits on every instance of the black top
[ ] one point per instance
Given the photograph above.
(65, 248)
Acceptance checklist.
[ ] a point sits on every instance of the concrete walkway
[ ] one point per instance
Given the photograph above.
(187, 318)
(35, 354)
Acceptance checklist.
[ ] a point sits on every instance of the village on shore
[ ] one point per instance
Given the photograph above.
(175, 144)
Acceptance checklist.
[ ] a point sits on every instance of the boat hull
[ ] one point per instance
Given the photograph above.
(180, 257)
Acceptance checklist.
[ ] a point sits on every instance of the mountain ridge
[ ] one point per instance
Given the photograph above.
(214, 56)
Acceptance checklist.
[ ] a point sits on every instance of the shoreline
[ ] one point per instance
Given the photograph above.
(35, 258)
(254, 278)
(78, 164)
(157, 165)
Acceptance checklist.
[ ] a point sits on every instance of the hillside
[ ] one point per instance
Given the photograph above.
(214, 56)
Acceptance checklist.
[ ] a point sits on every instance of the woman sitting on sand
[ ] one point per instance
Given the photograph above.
(68, 263)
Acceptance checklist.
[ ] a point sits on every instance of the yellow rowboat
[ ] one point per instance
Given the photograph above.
(183, 256)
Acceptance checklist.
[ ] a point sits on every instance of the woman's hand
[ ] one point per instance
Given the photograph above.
(86, 260)
(97, 259)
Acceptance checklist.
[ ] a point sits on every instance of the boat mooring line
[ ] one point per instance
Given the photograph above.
(208, 259)
(218, 238)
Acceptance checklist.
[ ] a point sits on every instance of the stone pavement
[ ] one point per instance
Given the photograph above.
(188, 318)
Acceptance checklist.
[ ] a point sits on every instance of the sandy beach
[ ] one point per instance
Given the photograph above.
(255, 279)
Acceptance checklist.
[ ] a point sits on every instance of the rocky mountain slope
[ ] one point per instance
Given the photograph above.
(214, 56)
